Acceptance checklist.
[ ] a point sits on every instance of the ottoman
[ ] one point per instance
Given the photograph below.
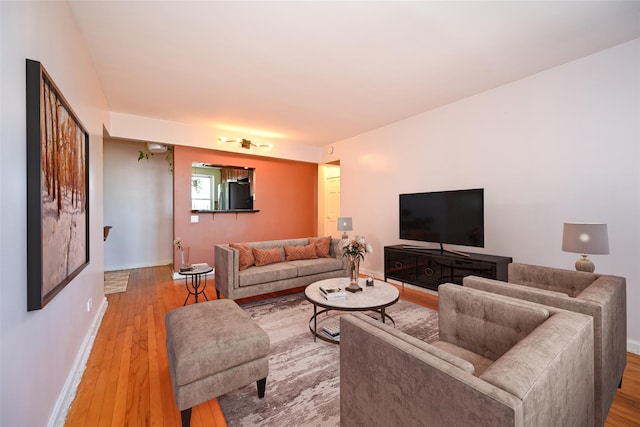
(213, 348)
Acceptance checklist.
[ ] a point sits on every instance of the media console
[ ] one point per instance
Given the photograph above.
(429, 268)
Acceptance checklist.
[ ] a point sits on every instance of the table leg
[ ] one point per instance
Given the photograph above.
(315, 322)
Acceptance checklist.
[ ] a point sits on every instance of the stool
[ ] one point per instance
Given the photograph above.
(213, 348)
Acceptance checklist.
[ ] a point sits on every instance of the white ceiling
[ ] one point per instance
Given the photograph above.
(316, 72)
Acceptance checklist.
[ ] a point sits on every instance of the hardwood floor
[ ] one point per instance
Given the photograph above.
(127, 383)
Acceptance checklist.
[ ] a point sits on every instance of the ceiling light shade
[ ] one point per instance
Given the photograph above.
(586, 239)
(156, 148)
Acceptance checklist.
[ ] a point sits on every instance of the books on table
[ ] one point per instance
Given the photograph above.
(332, 293)
(333, 330)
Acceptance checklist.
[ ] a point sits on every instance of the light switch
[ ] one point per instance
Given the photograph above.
(194, 219)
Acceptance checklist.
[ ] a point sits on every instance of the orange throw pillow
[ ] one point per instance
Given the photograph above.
(300, 252)
(322, 244)
(246, 259)
(267, 256)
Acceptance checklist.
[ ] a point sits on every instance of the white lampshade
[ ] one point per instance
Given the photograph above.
(344, 223)
(586, 239)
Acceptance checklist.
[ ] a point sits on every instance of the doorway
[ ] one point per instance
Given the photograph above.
(329, 205)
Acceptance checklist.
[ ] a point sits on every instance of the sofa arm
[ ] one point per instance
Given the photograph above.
(551, 371)
(608, 295)
(387, 381)
(225, 264)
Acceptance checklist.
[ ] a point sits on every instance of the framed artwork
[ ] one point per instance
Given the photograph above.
(57, 190)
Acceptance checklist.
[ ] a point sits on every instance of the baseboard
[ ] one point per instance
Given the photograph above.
(137, 265)
(70, 387)
(633, 346)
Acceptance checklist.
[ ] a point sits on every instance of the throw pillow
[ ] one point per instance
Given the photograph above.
(246, 259)
(322, 244)
(300, 252)
(267, 256)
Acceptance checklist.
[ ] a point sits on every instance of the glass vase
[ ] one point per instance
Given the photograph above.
(184, 259)
(354, 274)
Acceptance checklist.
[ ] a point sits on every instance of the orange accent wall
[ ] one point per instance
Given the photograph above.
(286, 195)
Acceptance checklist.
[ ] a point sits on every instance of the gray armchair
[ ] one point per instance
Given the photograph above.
(498, 362)
(602, 297)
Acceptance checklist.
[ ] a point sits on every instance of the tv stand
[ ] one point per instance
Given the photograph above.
(442, 250)
(431, 267)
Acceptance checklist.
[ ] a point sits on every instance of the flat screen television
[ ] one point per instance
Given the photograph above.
(444, 217)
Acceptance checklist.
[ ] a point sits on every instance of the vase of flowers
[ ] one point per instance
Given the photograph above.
(184, 254)
(354, 250)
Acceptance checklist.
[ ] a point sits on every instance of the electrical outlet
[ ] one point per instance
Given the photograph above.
(195, 219)
(89, 305)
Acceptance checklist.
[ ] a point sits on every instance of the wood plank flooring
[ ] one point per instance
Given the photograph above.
(127, 383)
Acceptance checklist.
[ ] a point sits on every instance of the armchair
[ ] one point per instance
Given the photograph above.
(602, 297)
(499, 361)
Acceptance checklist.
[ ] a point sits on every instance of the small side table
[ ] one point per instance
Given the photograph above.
(197, 284)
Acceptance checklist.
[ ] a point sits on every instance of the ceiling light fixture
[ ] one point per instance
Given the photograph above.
(244, 143)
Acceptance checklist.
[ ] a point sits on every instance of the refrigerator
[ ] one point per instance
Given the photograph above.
(234, 195)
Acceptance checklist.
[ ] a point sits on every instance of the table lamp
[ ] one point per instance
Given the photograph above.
(344, 224)
(585, 238)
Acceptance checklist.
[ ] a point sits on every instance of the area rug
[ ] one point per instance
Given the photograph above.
(303, 386)
(115, 281)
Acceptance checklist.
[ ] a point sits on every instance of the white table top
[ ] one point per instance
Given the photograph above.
(381, 294)
(197, 269)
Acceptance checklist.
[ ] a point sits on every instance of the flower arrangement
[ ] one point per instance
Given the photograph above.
(356, 247)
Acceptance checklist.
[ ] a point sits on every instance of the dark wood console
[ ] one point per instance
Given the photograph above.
(429, 268)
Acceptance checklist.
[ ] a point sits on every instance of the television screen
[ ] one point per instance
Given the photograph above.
(452, 217)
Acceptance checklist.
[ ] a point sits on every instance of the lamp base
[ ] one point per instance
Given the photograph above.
(584, 264)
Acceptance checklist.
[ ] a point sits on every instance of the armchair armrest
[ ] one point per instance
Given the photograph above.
(549, 369)
(226, 264)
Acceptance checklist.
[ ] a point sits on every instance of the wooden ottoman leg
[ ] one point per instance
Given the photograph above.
(262, 385)
(186, 417)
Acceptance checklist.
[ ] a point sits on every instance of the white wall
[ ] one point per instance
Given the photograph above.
(562, 145)
(138, 203)
(39, 349)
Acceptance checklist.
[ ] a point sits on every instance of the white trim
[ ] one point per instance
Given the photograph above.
(138, 265)
(633, 346)
(68, 393)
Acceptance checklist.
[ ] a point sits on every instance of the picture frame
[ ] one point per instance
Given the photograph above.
(57, 189)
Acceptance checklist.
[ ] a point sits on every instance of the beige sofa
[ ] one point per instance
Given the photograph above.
(234, 283)
(498, 362)
(601, 296)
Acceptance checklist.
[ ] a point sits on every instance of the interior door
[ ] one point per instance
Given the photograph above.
(332, 206)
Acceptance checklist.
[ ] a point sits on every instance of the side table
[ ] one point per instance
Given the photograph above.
(197, 284)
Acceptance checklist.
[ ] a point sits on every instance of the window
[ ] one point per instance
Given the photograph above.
(202, 192)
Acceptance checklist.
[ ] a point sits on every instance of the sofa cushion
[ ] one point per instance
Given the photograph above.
(267, 256)
(307, 267)
(300, 252)
(322, 245)
(246, 258)
(267, 273)
(480, 364)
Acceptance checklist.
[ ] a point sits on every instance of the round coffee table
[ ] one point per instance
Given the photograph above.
(372, 298)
